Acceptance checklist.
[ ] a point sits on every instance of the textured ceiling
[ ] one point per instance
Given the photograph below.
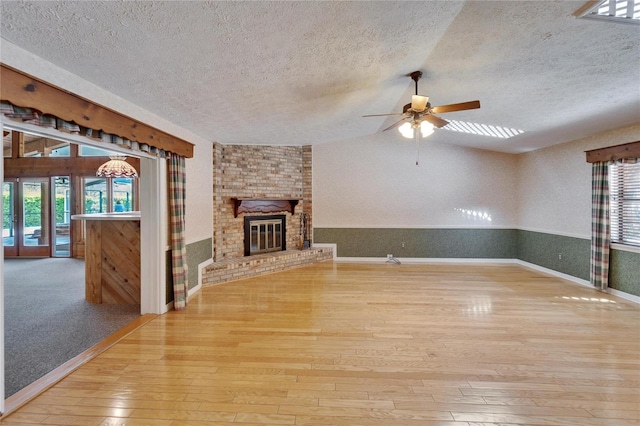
(300, 73)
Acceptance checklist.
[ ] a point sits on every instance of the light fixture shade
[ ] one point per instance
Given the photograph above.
(117, 167)
(426, 128)
(419, 103)
(406, 130)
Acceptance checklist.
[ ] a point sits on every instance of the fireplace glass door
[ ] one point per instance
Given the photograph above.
(265, 236)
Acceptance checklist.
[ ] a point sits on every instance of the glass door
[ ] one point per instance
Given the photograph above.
(34, 217)
(61, 216)
(9, 218)
(26, 220)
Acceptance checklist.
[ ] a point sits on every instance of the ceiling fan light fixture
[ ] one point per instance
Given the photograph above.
(406, 130)
(419, 103)
(426, 128)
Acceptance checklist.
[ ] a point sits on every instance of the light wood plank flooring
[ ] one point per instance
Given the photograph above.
(368, 344)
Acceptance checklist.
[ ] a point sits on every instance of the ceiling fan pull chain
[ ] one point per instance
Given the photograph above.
(416, 134)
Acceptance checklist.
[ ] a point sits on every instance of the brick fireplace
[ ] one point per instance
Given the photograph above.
(257, 172)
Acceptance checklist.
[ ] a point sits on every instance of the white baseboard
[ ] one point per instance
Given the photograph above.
(333, 246)
(622, 294)
(198, 287)
(580, 281)
(169, 306)
(424, 260)
(567, 277)
(576, 280)
(554, 273)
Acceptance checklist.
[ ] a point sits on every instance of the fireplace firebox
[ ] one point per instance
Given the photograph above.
(264, 234)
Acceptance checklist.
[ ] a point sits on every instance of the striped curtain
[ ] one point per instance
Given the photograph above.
(600, 225)
(177, 180)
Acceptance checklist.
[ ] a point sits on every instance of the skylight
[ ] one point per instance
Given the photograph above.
(482, 129)
(624, 11)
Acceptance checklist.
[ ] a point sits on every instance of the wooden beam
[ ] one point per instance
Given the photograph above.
(57, 166)
(588, 7)
(26, 91)
(613, 153)
(17, 144)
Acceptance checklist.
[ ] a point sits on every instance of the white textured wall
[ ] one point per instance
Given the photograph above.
(554, 184)
(199, 196)
(374, 182)
(199, 202)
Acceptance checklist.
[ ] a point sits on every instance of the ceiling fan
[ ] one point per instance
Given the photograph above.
(420, 111)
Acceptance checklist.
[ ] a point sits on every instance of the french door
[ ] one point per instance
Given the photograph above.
(27, 217)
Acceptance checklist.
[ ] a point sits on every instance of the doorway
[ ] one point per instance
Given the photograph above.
(36, 217)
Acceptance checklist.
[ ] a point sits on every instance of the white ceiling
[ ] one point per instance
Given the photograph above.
(299, 73)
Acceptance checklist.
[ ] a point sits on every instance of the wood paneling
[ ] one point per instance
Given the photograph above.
(112, 261)
(93, 261)
(29, 92)
(368, 344)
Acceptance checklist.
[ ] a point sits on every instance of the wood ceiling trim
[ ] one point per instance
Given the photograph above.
(57, 166)
(614, 153)
(26, 91)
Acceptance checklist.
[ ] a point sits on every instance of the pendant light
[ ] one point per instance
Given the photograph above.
(117, 167)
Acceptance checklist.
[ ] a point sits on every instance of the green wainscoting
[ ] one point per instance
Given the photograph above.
(624, 271)
(197, 252)
(568, 255)
(421, 243)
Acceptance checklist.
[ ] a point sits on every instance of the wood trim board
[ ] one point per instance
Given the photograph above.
(614, 153)
(29, 92)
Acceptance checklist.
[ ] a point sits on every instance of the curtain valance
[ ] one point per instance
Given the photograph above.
(30, 95)
(37, 118)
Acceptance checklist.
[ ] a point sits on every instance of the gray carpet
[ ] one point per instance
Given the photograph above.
(47, 320)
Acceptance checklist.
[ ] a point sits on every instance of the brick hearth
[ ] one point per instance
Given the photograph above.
(245, 267)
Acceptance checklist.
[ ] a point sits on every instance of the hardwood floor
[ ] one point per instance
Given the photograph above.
(368, 344)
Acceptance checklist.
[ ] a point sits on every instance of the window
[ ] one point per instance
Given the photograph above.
(624, 196)
(102, 195)
(623, 11)
(92, 151)
(37, 146)
(96, 195)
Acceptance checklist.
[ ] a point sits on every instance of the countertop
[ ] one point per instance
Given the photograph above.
(108, 216)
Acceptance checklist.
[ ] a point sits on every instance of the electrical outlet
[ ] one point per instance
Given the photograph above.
(560, 256)
(389, 256)
(403, 244)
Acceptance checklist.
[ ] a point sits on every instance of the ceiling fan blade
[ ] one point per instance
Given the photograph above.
(382, 115)
(436, 121)
(456, 107)
(397, 123)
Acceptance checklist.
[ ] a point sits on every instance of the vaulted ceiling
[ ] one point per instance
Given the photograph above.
(300, 73)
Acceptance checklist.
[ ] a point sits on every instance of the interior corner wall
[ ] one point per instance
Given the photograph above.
(554, 184)
(554, 210)
(373, 182)
(370, 196)
(370, 199)
(199, 194)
